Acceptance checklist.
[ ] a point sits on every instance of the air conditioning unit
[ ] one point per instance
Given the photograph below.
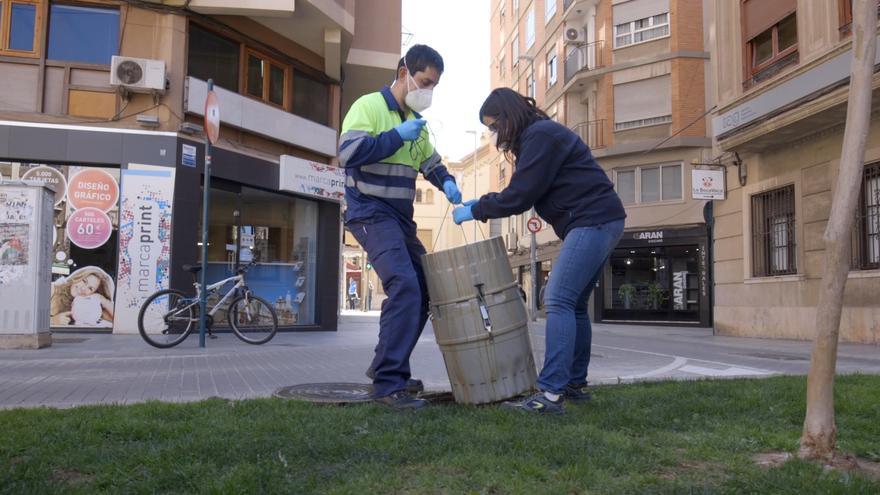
(138, 74)
(574, 35)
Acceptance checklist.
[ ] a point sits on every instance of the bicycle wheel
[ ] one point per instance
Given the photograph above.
(252, 319)
(166, 318)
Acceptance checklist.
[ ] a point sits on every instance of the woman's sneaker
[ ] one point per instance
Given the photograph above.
(577, 393)
(538, 403)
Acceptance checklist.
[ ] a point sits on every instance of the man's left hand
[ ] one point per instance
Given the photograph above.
(452, 192)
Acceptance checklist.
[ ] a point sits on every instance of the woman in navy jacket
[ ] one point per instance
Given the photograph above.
(555, 172)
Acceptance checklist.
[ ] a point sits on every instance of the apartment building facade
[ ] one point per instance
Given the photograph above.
(782, 72)
(121, 140)
(630, 77)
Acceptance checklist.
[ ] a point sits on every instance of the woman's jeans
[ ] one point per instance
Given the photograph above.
(568, 334)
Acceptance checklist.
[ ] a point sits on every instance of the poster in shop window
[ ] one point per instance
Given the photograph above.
(144, 240)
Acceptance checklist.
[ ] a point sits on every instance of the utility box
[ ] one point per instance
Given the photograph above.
(26, 231)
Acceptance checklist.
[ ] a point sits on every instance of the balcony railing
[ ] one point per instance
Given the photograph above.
(771, 70)
(584, 58)
(592, 133)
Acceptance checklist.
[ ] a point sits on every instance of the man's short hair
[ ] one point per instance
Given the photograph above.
(420, 57)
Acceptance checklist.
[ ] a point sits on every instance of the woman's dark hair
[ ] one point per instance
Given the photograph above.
(512, 112)
(420, 57)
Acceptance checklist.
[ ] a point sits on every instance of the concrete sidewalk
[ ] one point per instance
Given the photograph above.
(83, 369)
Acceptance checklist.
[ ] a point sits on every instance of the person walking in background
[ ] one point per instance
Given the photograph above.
(555, 172)
(352, 293)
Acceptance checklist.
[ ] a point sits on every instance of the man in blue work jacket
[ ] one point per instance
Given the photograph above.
(383, 147)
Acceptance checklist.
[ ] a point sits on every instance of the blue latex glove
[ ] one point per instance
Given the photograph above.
(411, 129)
(452, 193)
(462, 214)
(470, 202)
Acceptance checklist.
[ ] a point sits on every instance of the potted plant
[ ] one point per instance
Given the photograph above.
(626, 292)
(656, 295)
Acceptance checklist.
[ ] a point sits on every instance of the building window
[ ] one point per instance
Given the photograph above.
(429, 196)
(844, 9)
(267, 80)
(641, 30)
(515, 5)
(19, 37)
(866, 233)
(502, 66)
(426, 237)
(83, 34)
(649, 184)
(643, 103)
(530, 27)
(514, 51)
(551, 68)
(770, 32)
(213, 57)
(311, 99)
(549, 10)
(418, 195)
(773, 233)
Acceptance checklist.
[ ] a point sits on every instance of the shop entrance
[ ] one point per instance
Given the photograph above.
(657, 276)
(653, 284)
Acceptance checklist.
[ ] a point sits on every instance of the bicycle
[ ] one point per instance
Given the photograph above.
(167, 317)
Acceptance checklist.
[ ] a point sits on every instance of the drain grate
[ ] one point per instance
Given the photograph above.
(343, 393)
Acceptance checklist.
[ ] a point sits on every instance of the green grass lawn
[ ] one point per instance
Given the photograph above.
(694, 437)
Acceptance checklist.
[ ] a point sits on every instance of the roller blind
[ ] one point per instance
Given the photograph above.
(639, 9)
(759, 15)
(643, 99)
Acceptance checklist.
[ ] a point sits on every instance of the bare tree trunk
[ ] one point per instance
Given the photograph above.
(820, 432)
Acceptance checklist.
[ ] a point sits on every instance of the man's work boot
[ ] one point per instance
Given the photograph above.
(413, 386)
(401, 401)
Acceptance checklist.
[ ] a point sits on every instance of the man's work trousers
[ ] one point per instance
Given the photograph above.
(396, 257)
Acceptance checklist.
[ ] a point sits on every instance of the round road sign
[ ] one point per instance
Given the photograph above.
(534, 225)
(212, 117)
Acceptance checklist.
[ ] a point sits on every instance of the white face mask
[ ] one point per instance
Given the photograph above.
(418, 99)
(502, 146)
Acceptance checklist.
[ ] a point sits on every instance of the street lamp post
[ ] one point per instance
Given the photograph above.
(475, 172)
(533, 247)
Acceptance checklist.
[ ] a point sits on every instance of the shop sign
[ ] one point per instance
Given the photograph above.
(188, 156)
(707, 184)
(89, 228)
(679, 289)
(652, 237)
(93, 188)
(50, 176)
(144, 240)
(311, 178)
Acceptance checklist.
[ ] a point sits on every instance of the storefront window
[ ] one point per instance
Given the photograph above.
(276, 231)
(85, 241)
(653, 283)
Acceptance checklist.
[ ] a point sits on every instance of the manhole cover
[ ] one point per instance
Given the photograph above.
(344, 393)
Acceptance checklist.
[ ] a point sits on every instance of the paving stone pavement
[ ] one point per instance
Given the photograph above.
(83, 368)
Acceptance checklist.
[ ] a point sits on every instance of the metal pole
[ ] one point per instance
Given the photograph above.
(533, 257)
(475, 178)
(206, 203)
